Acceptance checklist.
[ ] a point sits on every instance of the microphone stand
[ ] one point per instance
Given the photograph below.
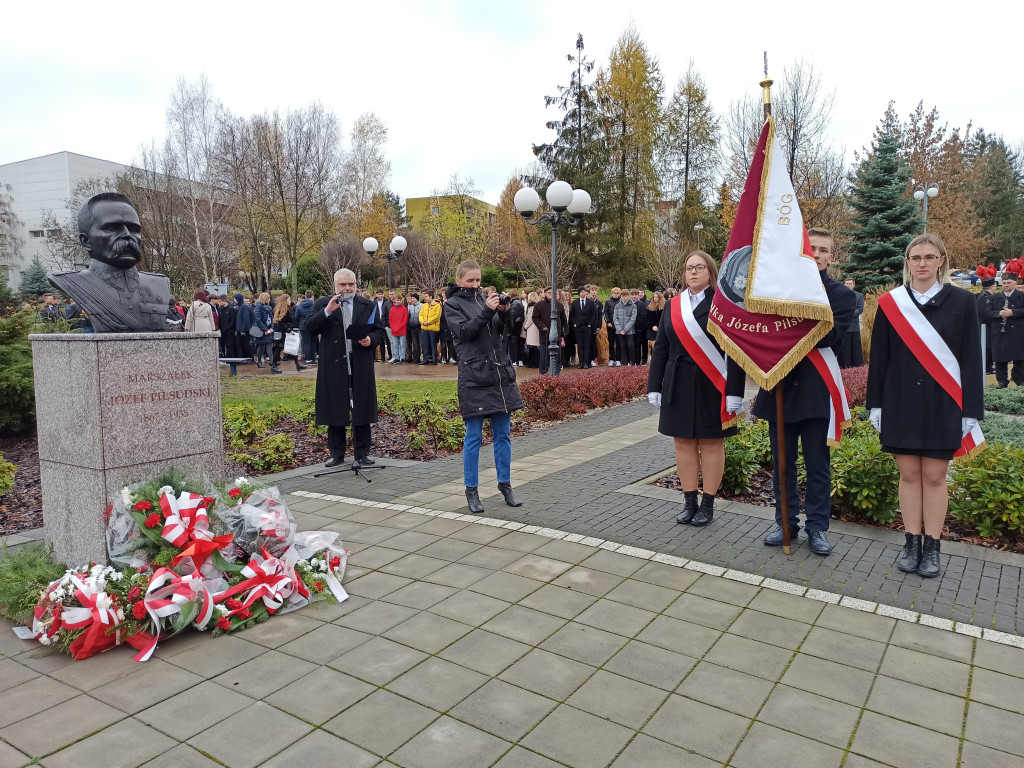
(356, 467)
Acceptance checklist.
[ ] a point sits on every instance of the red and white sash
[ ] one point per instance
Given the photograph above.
(702, 349)
(827, 365)
(931, 352)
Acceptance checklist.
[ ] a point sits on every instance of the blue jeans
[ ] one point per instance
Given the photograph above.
(428, 339)
(501, 424)
(399, 347)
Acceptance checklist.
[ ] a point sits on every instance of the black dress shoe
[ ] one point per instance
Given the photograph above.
(333, 462)
(510, 497)
(910, 560)
(774, 537)
(689, 508)
(365, 460)
(818, 543)
(706, 513)
(473, 498)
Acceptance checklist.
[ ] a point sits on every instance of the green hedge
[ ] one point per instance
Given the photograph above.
(1010, 400)
(1007, 430)
(986, 492)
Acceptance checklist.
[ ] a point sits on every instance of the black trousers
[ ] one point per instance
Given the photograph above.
(1003, 373)
(583, 338)
(810, 435)
(627, 349)
(513, 344)
(613, 343)
(412, 340)
(640, 343)
(360, 438)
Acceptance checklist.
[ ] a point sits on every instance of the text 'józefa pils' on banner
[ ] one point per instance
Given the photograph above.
(770, 308)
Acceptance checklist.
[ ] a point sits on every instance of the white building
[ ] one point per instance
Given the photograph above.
(39, 184)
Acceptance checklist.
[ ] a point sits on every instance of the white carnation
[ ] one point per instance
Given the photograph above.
(126, 497)
(241, 481)
(166, 490)
(44, 640)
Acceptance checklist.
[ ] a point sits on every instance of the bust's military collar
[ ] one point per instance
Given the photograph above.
(120, 279)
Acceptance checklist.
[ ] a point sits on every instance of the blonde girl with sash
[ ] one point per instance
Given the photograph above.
(698, 389)
(925, 391)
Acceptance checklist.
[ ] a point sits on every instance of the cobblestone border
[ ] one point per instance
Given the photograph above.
(832, 598)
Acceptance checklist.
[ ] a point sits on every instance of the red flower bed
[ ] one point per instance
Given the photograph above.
(856, 381)
(550, 398)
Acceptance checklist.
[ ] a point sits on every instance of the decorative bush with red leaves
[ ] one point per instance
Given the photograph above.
(856, 381)
(550, 398)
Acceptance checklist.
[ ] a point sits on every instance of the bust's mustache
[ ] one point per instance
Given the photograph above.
(126, 244)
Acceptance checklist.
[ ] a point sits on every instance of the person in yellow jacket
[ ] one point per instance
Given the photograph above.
(430, 327)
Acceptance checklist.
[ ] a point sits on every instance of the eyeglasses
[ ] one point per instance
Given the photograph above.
(697, 268)
(931, 258)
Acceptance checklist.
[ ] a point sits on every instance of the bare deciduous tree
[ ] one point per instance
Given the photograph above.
(365, 172)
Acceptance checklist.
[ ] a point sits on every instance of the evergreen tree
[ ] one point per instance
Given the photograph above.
(885, 217)
(33, 280)
(5, 290)
(999, 199)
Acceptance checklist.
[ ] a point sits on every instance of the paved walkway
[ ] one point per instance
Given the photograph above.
(584, 629)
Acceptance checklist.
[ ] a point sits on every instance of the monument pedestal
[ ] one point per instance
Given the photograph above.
(113, 409)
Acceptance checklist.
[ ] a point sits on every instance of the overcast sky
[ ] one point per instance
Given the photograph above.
(461, 84)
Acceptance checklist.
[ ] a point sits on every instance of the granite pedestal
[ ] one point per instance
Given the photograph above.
(114, 409)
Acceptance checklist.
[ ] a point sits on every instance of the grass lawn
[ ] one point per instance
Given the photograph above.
(265, 391)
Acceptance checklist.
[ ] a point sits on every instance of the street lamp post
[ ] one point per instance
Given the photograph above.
(698, 228)
(562, 198)
(398, 244)
(922, 193)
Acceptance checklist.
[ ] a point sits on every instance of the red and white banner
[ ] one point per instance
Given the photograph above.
(702, 349)
(839, 418)
(931, 352)
(771, 307)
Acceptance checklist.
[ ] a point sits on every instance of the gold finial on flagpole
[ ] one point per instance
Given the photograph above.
(766, 88)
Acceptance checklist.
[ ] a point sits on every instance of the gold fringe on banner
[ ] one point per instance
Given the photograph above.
(768, 379)
(977, 449)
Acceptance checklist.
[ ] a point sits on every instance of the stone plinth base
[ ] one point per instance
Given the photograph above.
(115, 409)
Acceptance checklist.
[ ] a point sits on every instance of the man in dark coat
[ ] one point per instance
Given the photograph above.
(640, 329)
(1009, 342)
(227, 313)
(582, 315)
(806, 409)
(338, 392)
(384, 310)
(243, 322)
(988, 314)
(309, 342)
(542, 319)
(851, 351)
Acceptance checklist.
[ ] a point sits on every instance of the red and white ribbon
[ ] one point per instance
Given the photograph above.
(931, 352)
(167, 594)
(827, 365)
(702, 349)
(268, 580)
(185, 518)
(97, 614)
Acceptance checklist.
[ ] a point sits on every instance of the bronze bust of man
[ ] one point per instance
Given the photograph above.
(116, 296)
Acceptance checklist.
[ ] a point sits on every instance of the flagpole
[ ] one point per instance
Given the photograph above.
(780, 419)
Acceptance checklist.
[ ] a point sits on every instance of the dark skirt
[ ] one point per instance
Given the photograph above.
(940, 454)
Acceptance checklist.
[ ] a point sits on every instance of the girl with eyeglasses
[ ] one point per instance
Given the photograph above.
(691, 405)
(925, 391)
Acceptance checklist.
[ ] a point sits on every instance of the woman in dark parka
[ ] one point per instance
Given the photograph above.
(487, 381)
(919, 423)
(691, 406)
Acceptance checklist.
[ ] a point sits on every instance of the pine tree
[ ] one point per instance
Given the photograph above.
(33, 280)
(5, 290)
(885, 217)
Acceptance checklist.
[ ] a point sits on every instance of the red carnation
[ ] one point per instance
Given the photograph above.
(335, 562)
(245, 613)
(143, 506)
(233, 604)
(153, 520)
(224, 623)
(139, 610)
(135, 593)
(234, 493)
(208, 502)
(318, 586)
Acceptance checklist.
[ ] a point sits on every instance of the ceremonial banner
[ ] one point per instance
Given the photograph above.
(770, 308)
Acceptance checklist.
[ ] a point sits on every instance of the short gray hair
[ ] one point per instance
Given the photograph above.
(344, 271)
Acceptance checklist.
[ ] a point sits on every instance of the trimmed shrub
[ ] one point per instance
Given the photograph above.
(17, 386)
(856, 381)
(986, 491)
(1008, 430)
(1005, 400)
(272, 454)
(745, 453)
(550, 398)
(865, 480)
(7, 470)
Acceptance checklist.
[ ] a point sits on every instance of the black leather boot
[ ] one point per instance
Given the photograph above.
(473, 497)
(689, 508)
(259, 361)
(706, 513)
(910, 560)
(929, 567)
(510, 498)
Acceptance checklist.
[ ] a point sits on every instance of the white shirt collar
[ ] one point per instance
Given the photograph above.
(924, 298)
(696, 298)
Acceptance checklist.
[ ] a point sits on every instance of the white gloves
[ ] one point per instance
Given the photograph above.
(654, 398)
(733, 404)
(876, 419)
(967, 425)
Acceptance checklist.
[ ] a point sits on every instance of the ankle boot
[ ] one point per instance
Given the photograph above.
(910, 560)
(299, 366)
(259, 361)
(706, 513)
(473, 497)
(689, 508)
(510, 498)
(929, 567)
